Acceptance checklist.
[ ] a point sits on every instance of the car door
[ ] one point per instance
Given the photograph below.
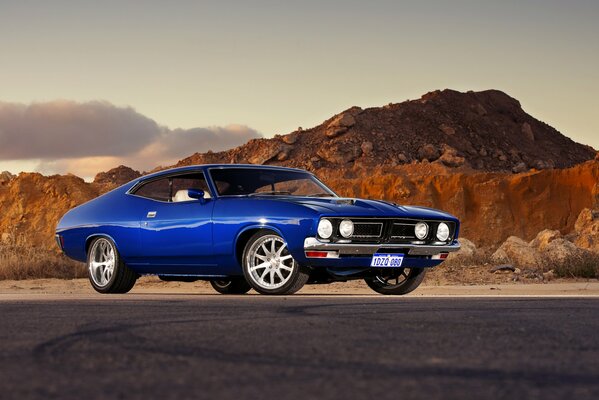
(176, 230)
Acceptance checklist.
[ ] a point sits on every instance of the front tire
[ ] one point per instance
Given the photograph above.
(269, 267)
(106, 270)
(397, 281)
(231, 286)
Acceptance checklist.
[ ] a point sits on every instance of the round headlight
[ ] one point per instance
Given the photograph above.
(421, 230)
(443, 232)
(346, 228)
(325, 228)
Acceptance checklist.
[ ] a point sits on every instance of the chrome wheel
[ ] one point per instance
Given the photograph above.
(269, 263)
(396, 281)
(394, 278)
(221, 284)
(102, 262)
(235, 285)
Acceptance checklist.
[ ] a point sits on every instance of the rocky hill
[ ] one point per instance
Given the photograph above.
(32, 204)
(116, 176)
(486, 131)
(476, 155)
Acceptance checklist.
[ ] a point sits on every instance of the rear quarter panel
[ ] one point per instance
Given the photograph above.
(114, 214)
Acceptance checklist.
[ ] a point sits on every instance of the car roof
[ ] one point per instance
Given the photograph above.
(204, 167)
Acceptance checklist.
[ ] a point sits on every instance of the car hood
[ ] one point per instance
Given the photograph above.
(366, 208)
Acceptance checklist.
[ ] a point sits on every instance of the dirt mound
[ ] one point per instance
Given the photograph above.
(486, 131)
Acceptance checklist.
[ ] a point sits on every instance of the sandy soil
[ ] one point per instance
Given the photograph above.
(152, 285)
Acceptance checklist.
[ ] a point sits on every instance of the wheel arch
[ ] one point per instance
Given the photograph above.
(90, 238)
(246, 233)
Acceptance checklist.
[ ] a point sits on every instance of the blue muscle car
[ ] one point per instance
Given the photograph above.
(245, 226)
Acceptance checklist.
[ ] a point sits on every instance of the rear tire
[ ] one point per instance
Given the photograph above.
(269, 267)
(106, 270)
(231, 286)
(397, 281)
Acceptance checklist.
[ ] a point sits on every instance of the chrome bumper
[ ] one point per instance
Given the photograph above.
(362, 248)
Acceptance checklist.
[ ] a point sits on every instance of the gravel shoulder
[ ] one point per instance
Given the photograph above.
(152, 285)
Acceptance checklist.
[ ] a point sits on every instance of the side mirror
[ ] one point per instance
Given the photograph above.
(196, 194)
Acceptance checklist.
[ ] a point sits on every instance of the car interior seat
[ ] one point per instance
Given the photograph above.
(182, 195)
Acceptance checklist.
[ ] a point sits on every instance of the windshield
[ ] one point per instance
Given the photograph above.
(267, 182)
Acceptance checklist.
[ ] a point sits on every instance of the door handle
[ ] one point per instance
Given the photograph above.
(151, 214)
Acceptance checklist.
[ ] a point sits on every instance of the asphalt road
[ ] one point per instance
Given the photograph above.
(142, 346)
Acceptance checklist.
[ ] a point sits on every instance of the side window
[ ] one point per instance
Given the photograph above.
(190, 181)
(174, 188)
(156, 190)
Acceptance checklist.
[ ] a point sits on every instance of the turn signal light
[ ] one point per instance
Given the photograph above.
(440, 256)
(322, 254)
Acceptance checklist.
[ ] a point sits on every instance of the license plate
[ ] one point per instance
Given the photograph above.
(386, 260)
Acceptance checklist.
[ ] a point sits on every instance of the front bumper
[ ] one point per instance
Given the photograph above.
(362, 249)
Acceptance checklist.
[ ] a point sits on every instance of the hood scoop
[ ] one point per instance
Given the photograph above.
(350, 202)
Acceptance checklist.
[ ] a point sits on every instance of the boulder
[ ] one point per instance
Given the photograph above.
(500, 155)
(467, 250)
(340, 124)
(542, 164)
(339, 153)
(560, 250)
(428, 152)
(517, 252)
(543, 238)
(520, 167)
(402, 158)
(267, 152)
(283, 155)
(586, 230)
(451, 158)
(446, 129)
(367, 147)
(290, 138)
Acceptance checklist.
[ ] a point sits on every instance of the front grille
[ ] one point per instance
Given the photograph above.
(388, 231)
(368, 229)
(403, 230)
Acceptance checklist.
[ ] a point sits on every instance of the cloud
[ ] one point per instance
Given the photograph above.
(86, 138)
(65, 129)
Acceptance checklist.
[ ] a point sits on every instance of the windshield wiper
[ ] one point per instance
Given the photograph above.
(271, 193)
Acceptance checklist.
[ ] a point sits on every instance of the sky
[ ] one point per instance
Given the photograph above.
(85, 85)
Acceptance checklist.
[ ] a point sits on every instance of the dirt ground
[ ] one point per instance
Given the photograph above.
(152, 285)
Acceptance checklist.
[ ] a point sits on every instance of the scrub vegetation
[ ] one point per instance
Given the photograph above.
(22, 261)
(583, 265)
